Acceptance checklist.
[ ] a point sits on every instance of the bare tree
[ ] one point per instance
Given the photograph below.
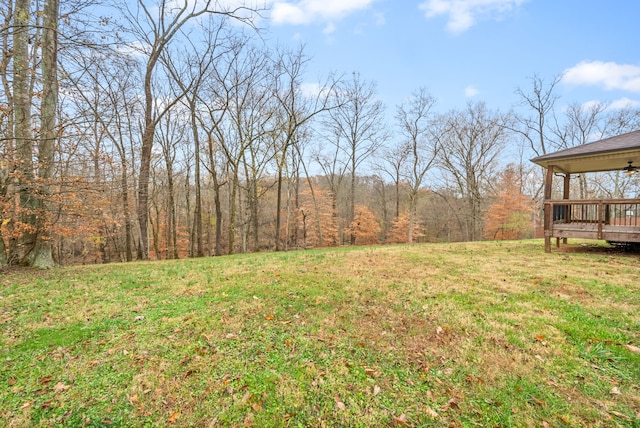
(583, 124)
(190, 70)
(295, 111)
(535, 127)
(421, 142)
(394, 160)
(472, 142)
(171, 133)
(357, 129)
(155, 29)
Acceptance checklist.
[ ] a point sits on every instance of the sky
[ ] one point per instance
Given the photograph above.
(470, 50)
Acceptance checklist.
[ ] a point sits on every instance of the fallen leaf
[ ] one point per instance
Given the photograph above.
(339, 404)
(400, 420)
(615, 391)
(61, 387)
(269, 317)
(45, 380)
(248, 421)
(453, 403)
(133, 399)
(432, 413)
(620, 415)
(539, 402)
(376, 390)
(25, 405)
(633, 349)
(174, 417)
(372, 372)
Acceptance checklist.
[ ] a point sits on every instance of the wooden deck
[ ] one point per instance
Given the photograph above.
(613, 220)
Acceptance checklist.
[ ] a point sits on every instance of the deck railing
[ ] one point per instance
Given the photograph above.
(592, 218)
(620, 212)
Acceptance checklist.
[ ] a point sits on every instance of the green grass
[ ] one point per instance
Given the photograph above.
(469, 334)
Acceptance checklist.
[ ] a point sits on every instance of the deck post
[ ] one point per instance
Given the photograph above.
(565, 195)
(548, 215)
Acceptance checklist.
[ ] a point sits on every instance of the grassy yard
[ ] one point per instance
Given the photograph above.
(467, 334)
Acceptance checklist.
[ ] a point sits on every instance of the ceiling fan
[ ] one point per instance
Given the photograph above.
(630, 169)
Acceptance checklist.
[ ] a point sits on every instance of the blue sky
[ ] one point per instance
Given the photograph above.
(478, 50)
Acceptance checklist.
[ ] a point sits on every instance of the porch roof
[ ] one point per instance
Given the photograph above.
(609, 154)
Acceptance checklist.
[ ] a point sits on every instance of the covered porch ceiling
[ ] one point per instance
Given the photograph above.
(609, 154)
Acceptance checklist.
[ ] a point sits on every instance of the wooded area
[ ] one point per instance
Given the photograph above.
(137, 131)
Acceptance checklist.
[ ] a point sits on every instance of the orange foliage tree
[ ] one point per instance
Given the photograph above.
(365, 227)
(316, 219)
(399, 233)
(509, 217)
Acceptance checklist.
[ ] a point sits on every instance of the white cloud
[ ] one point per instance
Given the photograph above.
(609, 75)
(464, 13)
(471, 91)
(618, 104)
(310, 90)
(330, 28)
(624, 103)
(380, 19)
(308, 11)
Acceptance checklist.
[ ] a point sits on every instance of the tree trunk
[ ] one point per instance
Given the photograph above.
(218, 208)
(412, 216)
(4, 262)
(232, 213)
(352, 203)
(43, 257)
(22, 110)
(278, 209)
(172, 232)
(143, 190)
(128, 247)
(7, 166)
(197, 213)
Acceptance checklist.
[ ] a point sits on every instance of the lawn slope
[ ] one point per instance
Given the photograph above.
(493, 333)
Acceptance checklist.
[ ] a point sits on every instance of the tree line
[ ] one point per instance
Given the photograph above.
(166, 130)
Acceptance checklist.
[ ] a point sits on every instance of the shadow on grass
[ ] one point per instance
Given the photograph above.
(611, 248)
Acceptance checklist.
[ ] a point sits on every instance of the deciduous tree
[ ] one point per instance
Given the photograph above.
(421, 136)
(365, 227)
(510, 216)
(154, 30)
(357, 129)
(472, 145)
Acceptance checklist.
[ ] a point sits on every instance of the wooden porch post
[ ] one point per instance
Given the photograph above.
(548, 215)
(565, 195)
